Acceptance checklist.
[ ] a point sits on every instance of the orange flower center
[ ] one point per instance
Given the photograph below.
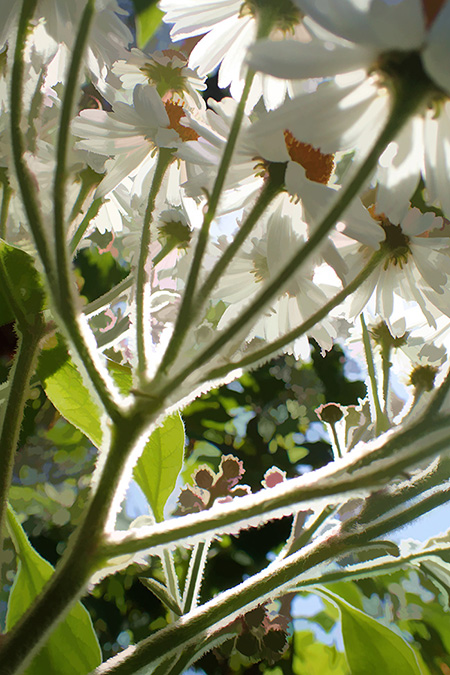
(431, 9)
(317, 165)
(175, 112)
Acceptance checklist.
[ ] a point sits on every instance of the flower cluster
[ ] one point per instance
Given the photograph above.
(312, 87)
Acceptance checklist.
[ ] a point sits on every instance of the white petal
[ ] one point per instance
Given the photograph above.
(399, 170)
(437, 158)
(293, 60)
(397, 25)
(436, 54)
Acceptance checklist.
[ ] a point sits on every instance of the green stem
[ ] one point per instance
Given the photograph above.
(195, 574)
(92, 211)
(208, 620)
(6, 198)
(171, 578)
(81, 558)
(184, 316)
(165, 157)
(308, 533)
(381, 420)
(336, 447)
(59, 187)
(18, 394)
(386, 367)
(110, 296)
(24, 177)
(89, 179)
(422, 440)
(273, 581)
(273, 187)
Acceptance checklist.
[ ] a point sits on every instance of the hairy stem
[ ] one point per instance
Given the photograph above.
(381, 420)
(184, 316)
(24, 176)
(92, 211)
(380, 463)
(195, 574)
(81, 558)
(209, 620)
(18, 393)
(4, 209)
(308, 533)
(164, 159)
(65, 285)
(273, 187)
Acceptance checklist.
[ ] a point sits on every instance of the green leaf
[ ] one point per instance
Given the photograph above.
(122, 376)
(65, 388)
(370, 646)
(72, 648)
(157, 469)
(148, 18)
(24, 284)
(314, 658)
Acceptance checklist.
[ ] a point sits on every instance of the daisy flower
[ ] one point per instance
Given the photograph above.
(108, 33)
(229, 27)
(367, 49)
(131, 133)
(416, 268)
(167, 71)
(260, 260)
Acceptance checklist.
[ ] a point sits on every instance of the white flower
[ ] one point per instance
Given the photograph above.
(416, 268)
(260, 259)
(364, 47)
(107, 36)
(167, 71)
(130, 134)
(230, 27)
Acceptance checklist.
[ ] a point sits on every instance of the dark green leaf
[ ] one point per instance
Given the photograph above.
(161, 593)
(65, 388)
(23, 283)
(72, 648)
(157, 469)
(370, 646)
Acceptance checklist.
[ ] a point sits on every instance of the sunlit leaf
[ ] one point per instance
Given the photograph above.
(311, 657)
(148, 18)
(65, 388)
(23, 282)
(370, 646)
(122, 376)
(157, 469)
(72, 648)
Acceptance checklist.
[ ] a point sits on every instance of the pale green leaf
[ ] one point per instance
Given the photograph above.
(157, 469)
(65, 388)
(147, 23)
(370, 646)
(72, 648)
(311, 657)
(23, 283)
(122, 376)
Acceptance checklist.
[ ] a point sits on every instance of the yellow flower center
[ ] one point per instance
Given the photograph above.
(175, 112)
(318, 166)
